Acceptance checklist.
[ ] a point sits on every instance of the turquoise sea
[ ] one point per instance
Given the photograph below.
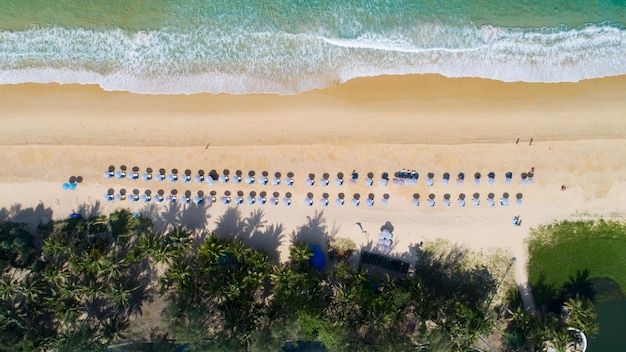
(290, 46)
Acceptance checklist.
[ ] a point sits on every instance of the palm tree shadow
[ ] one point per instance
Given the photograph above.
(447, 273)
(198, 239)
(544, 294)
(314, 231)
(194, 216)
(230, 224)
(141, 280)
(151, 211)
(89, 210)
(31, 217)
(253, 231)
(580, 284)
(169, 217)
(268, 239)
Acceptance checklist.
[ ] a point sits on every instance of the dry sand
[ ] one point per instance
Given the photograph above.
(428, 123)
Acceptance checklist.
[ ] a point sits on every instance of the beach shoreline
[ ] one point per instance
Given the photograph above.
(572, 133)
(413, 109)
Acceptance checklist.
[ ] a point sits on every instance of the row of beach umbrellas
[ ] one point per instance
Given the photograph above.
(445, 201)
(410, 178)
(228, 198)
(262, 198)
(400, 178)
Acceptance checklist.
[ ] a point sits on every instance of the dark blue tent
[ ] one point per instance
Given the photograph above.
(318, 260)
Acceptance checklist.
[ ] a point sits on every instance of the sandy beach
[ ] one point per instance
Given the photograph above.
(382, 124)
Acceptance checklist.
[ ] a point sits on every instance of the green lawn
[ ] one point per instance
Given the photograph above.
(561, 249)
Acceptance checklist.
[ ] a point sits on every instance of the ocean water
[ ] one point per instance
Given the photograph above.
(291, 46)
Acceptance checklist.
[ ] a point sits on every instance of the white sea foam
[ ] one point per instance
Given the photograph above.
(172, 61)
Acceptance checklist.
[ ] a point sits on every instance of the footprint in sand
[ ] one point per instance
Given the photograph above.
(57, 202)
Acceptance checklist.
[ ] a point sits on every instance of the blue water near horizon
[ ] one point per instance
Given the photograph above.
(287, 47)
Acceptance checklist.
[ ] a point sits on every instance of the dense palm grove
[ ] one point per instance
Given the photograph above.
(77, 284)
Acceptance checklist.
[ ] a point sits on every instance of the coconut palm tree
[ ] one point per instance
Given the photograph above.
(178, 242)
(113, 328)
(581, 314)
(120, 295)
(299, 255)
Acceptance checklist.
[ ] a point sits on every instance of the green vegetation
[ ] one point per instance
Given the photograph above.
(558, 251)
(79, 283)
(563, 258)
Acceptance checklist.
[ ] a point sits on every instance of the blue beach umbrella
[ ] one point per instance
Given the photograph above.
(72, 186)
(66, 186)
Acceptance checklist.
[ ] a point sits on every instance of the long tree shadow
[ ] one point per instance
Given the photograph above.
(580, 284)
(153, 211)
(230, 225)
(31, 217)
(445, 272)
(544, 294)
(194, 216)
(252, 230)
(35, 221)
(89, 210)
(169, 216)
(314, 232)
